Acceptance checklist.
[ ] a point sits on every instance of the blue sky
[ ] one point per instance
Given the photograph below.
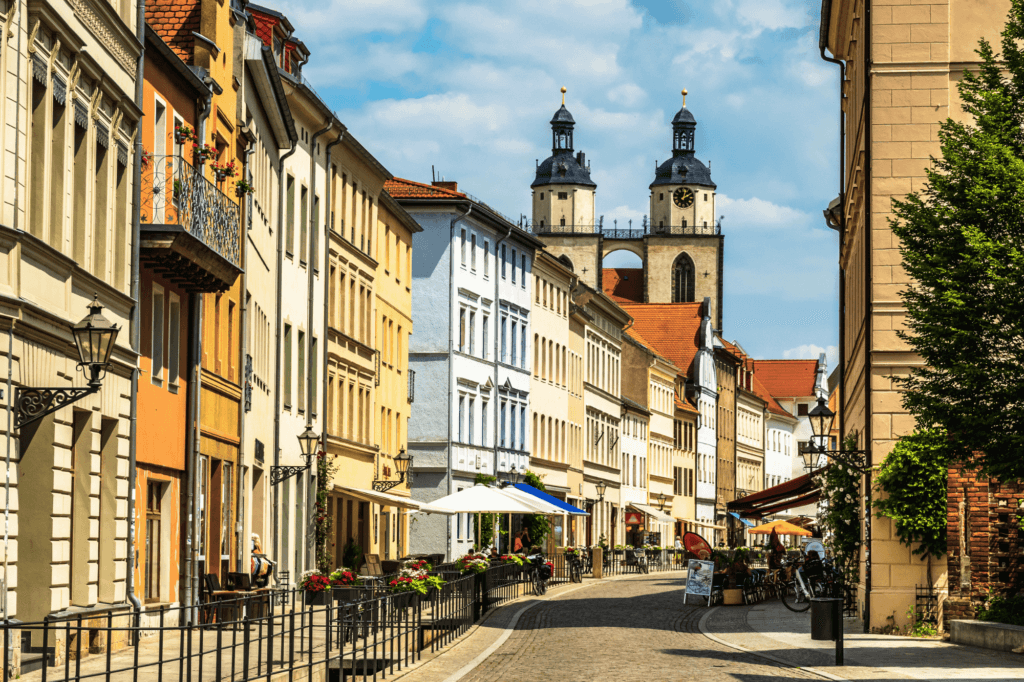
(469, 87)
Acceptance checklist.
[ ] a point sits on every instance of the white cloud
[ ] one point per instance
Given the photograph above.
(810, 351)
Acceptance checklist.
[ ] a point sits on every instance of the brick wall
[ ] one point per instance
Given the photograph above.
(987, 555)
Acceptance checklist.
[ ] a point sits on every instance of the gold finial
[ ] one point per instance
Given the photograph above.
(563, 95)
(684, 97)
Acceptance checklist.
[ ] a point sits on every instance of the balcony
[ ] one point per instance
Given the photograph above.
(191, 231)
(628, 231)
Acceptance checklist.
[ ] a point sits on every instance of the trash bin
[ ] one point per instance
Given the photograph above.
(825, 617)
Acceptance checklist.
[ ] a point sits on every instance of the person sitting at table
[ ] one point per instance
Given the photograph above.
(738, 571)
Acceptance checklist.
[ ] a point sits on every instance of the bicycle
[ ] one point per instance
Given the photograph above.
(796, 593)
(575, 567)
(539, 573)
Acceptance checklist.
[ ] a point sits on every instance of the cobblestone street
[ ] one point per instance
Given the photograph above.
(634, 628)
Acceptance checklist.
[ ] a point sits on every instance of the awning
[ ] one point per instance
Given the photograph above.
(385, 499)
(713, 526)
(659, 516)
(741, 519)
(550, 499)
(540, 505)
(801, 490)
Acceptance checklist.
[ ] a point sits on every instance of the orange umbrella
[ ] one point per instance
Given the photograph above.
(780, 527)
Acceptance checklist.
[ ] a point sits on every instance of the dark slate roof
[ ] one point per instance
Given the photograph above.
(683, 169)
(563, 116)
(562, 169)
(684, 116)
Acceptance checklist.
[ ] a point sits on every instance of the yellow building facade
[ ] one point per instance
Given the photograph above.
(557, 380)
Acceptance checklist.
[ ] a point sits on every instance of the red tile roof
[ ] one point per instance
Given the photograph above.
(174, 21)
(669, 328)
(623, 284)
(787, 378)
(685, 406)
(765, 395)
(400, 188)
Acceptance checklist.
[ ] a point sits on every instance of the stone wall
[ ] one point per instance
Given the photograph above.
(984, 540)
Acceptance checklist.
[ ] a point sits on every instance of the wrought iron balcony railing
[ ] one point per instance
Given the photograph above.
(176, 193)
(628, 232)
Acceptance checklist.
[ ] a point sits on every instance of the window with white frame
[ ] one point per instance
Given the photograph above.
(157, 336)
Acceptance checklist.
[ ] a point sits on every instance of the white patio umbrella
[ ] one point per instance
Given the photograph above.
(480, 498)
(542, 506)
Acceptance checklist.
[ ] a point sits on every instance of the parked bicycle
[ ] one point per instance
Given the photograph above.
(538, 573)
(637, 558)
(575, 565)
(797, 592)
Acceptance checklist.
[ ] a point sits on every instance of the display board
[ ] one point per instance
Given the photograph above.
(699, 578)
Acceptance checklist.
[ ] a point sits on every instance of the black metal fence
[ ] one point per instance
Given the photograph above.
(363, 633)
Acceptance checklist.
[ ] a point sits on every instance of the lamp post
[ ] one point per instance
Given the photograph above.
(600, 486)
(308, 441)
(94, 339)
(661, 501)
(821, 418)
(402, 462)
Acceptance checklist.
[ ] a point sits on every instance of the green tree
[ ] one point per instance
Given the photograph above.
(962, 242)
(913, 478)
(537, 525)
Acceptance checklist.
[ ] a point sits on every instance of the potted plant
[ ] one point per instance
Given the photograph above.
(183, 133)
(223, 170)
(473, 563)
(345, 585)
(201, 153)
(314, 588)
(242, 188)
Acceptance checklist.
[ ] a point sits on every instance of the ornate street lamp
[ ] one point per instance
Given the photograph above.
(600, 486)
(513, 475)
(402, 463)
(661, 501)
(308, 442)
(821, 421)
(94, 339)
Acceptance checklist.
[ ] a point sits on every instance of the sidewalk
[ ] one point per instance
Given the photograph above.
(771, 629)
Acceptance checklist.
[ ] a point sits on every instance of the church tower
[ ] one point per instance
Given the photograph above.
(682, 194)
(563, 193)
(683, 250)
(563, 202)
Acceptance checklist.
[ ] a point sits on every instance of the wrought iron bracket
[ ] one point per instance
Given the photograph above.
(282, 473)
(857, 459)
(384, 486)
(31, 404)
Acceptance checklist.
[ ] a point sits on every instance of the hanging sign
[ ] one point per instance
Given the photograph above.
(634, 519)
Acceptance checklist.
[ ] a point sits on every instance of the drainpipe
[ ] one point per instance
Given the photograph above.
(451, 358)
(310, 360)
(243, 236)
(135, 321)
(497, 348)
(277, 346)
(868, 286)
(327, 273)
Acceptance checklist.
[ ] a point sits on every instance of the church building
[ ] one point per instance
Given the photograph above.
(680, 245)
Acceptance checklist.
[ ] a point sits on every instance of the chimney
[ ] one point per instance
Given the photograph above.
(581, 159)
(443, 184)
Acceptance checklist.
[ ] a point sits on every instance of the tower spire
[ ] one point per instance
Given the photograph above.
(684, 97)
(563, 97)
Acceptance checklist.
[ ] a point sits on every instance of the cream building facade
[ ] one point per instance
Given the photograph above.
(70, 124)
(900, 65)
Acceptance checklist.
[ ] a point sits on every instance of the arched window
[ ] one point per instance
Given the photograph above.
(566, 262)
(682, 279)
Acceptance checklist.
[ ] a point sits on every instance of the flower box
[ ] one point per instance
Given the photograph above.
(314, 598)
(347, 595)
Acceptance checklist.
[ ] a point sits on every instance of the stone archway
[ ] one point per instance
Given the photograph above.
(635, 246)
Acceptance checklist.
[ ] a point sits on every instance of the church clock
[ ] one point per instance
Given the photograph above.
(683, 197)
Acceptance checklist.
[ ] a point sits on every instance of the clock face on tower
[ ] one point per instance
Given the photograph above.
(683, 197)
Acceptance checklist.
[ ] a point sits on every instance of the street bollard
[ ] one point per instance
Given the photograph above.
(598, 563)
(827, 622)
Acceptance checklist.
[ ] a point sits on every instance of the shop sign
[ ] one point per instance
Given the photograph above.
(634, 519)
